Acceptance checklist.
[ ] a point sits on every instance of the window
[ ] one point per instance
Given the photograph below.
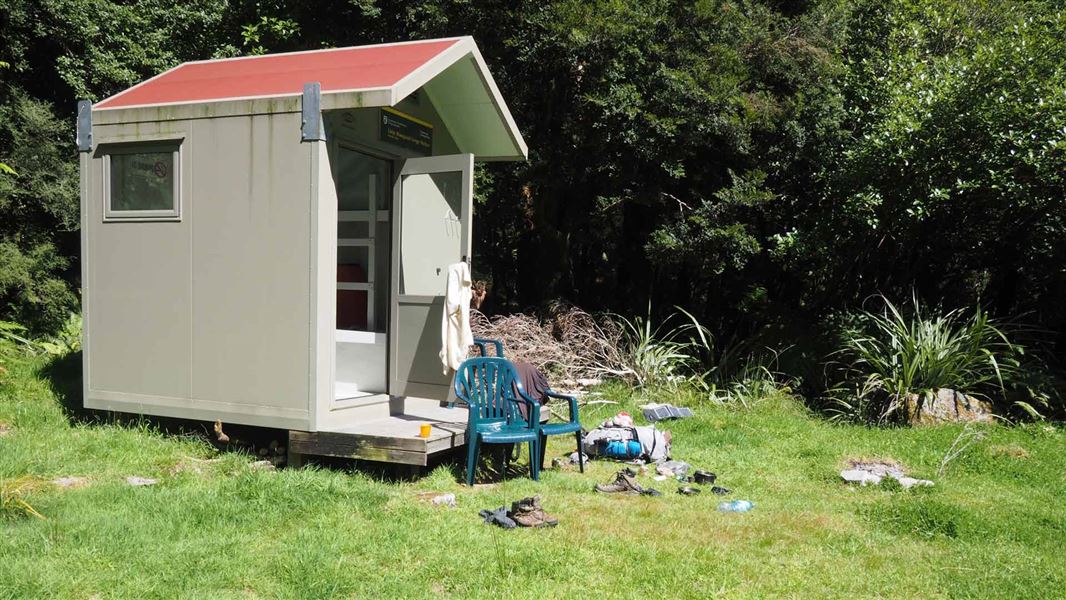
(142, 181)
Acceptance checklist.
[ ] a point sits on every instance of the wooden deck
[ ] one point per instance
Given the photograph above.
(392, 439)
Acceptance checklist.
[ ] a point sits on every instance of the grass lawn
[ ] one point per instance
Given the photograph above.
(993, 526)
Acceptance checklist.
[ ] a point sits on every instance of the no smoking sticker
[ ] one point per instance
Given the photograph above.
(159, 169)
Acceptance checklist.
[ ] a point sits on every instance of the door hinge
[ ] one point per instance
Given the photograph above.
(311, 106)
(84, 137)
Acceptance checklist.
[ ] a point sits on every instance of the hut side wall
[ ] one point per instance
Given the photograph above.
(209, 317)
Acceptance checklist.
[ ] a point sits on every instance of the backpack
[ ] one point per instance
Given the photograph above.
(622, 443)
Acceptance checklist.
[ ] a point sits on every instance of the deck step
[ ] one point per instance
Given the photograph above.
(393, 437)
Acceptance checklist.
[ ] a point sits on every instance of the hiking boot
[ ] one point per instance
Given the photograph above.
(622, 483)
(688, 490)
(721, 491)
(527, 512)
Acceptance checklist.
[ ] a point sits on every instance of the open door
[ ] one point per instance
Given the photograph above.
(432, 206)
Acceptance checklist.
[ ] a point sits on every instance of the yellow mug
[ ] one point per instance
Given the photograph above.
(424, 430)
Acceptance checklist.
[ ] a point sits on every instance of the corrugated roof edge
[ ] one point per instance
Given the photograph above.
(101, 104)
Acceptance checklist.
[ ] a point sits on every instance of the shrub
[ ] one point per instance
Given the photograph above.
(657, 355)
(888, 355)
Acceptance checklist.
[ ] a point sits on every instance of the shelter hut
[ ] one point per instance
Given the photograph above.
(265, 240)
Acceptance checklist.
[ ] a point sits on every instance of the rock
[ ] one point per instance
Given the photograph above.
(141, 481)
(673, 467)
(860, 476)
(880, 468)
(444, 500)
(262, 465)
(947, 406)
(873, 472)
(909, 482)
(438, 499)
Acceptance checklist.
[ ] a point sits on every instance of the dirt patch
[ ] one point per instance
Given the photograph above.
(877, 466)
(71, 483)
(437, 498)
(4, 429)
(1011, 450)
(195, 466)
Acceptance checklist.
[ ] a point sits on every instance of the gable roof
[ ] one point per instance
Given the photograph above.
(451, 71)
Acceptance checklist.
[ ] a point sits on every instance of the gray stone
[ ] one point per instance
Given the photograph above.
(909, 482)
(860, 476)
(141, 481)
(872, 472)
(444, 500)
(673, 467)
(947, 406)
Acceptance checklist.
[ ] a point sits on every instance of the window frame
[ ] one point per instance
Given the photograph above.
(174, 145)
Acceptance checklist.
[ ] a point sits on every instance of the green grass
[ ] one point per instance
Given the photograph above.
(992, 527)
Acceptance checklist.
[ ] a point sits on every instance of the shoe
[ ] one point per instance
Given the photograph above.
(721, 491)
(622, 483)
(498, 517)
(704, 477)
(651, 492)
(527, 512)
(688, 490)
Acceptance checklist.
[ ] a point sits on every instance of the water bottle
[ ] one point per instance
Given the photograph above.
(739, 506)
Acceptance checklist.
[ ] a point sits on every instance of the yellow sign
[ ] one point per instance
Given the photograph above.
(405, 130)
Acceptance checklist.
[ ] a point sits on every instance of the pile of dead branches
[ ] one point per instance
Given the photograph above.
(566, 343)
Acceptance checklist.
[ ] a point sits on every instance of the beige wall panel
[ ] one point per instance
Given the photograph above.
(251, 261)
(139, 286)
(323, 200)
(208, 317)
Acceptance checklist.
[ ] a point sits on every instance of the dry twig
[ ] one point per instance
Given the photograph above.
(568, 343)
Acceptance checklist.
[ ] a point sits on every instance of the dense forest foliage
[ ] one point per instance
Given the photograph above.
(765, 164)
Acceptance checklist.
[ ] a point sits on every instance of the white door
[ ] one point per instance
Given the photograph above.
(432, 209)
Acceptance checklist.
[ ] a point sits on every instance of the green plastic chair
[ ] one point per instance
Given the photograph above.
(546, 429)
(488, 386)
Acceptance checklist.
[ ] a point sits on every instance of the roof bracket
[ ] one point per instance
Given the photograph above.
(84, 138)
(311, 106)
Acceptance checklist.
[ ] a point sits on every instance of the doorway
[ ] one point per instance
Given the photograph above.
(364, 201)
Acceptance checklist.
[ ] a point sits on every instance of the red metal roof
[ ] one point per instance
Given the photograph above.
(340, 69)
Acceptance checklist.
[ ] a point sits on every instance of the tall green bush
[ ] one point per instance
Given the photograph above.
(890, 355)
